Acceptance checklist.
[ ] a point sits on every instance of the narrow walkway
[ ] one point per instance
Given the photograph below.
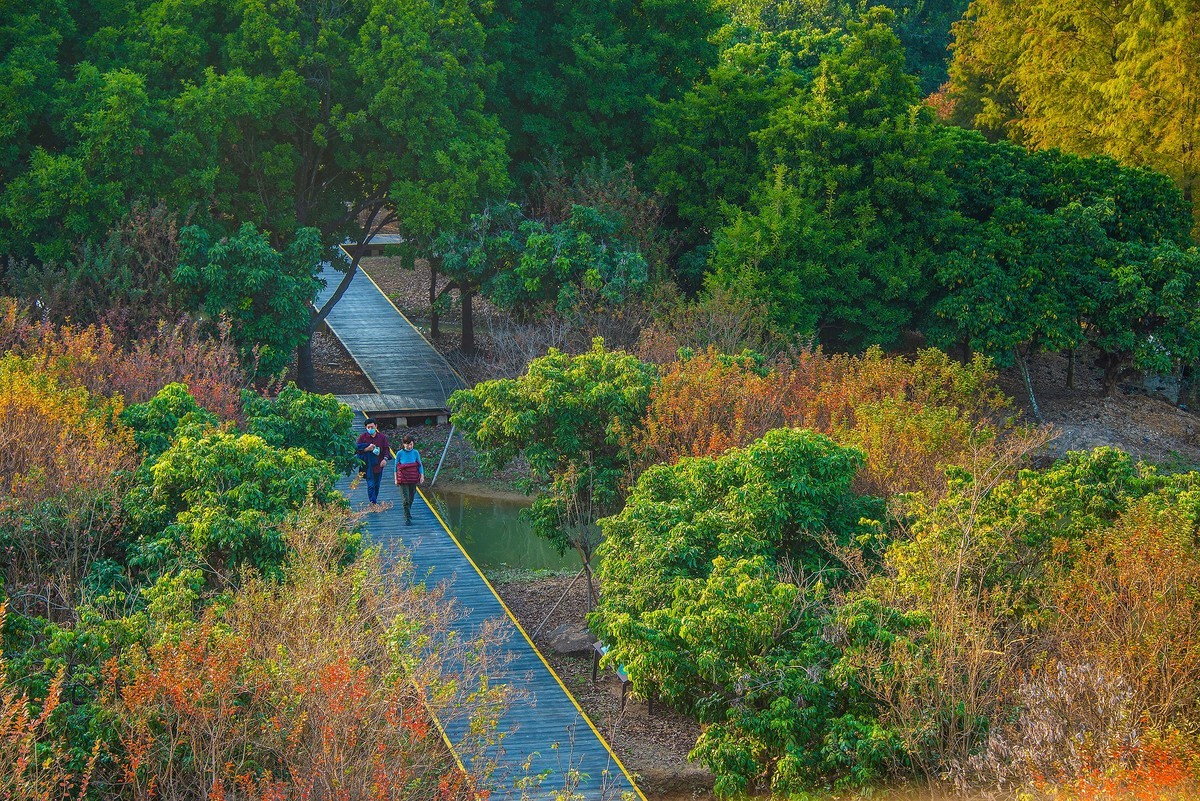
(547, 732)
(410, 377)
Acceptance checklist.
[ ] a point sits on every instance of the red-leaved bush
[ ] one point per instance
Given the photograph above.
(101, 360)
(319, 686)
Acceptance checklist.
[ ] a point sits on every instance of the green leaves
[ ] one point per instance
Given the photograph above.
(223, 498)
(579, 79)
(264, 292)
(842, 235)
(716, 581)
(573, 419)
(170, 413)
(297, 419)
(1053, 250)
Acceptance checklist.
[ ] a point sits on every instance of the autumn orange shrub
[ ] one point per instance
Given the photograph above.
(707, 404)
(1110, 707)
(54, 437)
(826, 391)
(102, 361)
(316, 687)
(912, 418)
(1159, 769)
(61, 452)
(1130, 607)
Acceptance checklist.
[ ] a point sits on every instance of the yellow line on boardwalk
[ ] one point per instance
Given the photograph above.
(521, 629)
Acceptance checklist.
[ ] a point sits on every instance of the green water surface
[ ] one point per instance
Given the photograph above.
(495, 534)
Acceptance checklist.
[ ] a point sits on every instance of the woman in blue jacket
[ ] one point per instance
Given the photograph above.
(409, 473)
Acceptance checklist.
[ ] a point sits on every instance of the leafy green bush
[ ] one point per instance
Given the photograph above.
(172, 412)
(219, 500)
(297, 419)
(718, 589)
(573, 418)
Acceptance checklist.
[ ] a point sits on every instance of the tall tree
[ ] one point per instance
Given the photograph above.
(1054, 249)
(579, 78)
(923, 26)
(348, 118)
(343, 117)
(574, 418)
(706, 154)
(856, 162)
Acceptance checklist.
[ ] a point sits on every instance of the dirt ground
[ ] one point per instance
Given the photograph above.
(1144, 425)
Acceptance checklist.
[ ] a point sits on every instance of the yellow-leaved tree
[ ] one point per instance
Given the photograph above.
(1118, 78)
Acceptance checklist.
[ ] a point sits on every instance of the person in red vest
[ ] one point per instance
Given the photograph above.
(409, 473)
(374, 450)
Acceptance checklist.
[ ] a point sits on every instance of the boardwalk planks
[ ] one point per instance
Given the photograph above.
(403, 367)
(546, 731)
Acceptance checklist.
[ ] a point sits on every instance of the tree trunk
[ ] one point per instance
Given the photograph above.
(433, 296)
(305, 374)
(1112, 374)
(1070, 368)
(1024, 367)
(468, 323)
(1189, 388)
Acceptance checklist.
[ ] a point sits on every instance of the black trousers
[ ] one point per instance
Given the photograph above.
(408, 492)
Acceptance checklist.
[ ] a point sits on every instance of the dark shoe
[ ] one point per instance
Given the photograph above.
(408, 521)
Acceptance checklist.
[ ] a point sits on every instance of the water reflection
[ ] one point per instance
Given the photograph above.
(495, 535)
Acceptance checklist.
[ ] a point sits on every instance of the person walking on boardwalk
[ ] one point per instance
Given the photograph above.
(374, 450)
(409, 473)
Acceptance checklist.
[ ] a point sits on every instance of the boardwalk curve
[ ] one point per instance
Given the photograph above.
(410, 377)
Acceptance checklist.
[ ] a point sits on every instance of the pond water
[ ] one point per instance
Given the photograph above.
(495, 534)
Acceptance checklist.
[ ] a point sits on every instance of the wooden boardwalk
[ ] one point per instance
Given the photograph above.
(545, 731)
(410, 377)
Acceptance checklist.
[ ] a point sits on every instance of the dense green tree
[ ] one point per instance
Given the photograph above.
(344, 118)
(573, 418)
(1143, 312)
(59, 199)
(264, 292)
(858, 187)
(524, 265)
(170, 413)
(716, 596)
(31, 38)
(923, 26)
(1055, 250)
(579, 78)
(347, 118)
(219, 501)
(576, 264)
(706, 158)
(297, 419)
